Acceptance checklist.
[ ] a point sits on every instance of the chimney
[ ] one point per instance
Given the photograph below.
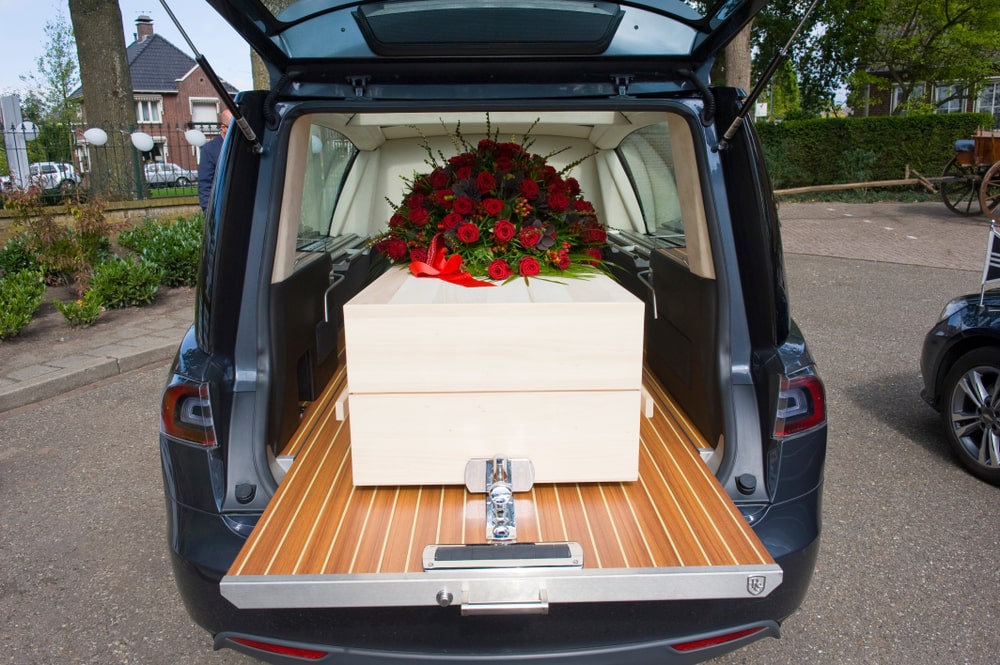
(144, 28)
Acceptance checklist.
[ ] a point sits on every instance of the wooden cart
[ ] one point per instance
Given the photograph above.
(970, 182)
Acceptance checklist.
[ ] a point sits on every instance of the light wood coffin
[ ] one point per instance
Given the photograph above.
(438, 374)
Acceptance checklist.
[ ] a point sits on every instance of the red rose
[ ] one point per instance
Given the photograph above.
(485, 145)
(504, 164)
(415, 200)
(493, 207)
(418, 254)
(463, 205)
(582, 205)
(503, 231)
(418, 216)
(443, 197)
(396, 220)
(573, 186)
(450, 221)
(529, 188)
(558, 201)
(394, 248)
(439, 179)
(468, 232)
(499, 269)
(595, 254)
(529, 236)
(485, 182)
(528, 266)
(463, 172)
(595, 235)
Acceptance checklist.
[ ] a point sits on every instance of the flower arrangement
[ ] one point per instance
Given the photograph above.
(499, 207)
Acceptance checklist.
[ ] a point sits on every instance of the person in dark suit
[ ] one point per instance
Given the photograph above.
(209, 158)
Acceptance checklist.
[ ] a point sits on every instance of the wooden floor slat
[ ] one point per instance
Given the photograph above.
(676, 514)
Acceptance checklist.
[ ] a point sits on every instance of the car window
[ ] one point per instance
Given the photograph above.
(327, 160)
(648, 158)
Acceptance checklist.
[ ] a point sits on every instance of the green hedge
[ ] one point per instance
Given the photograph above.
(802, 153)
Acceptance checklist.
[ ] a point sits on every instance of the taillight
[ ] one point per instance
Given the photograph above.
(269, 647)
(186, 412)
(801, 404)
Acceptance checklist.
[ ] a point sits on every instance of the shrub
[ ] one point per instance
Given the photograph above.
(91, 230)
(82, 312)
(20, 295)
(64, 252)
(128, 282)
(15, 256)
(175, 247)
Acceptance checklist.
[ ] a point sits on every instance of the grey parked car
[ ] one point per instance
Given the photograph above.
(358, 462)
(160, 174)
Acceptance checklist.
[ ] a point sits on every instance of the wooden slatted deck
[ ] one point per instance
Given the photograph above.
(318, 523)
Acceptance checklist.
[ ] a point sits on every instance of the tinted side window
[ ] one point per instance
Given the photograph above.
(328, 159)
(648, 158)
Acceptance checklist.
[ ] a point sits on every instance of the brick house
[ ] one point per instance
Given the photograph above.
(170, 91)
(877, 102)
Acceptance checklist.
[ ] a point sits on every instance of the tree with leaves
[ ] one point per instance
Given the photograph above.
(882, 43)
(48, 103)
(946, 42)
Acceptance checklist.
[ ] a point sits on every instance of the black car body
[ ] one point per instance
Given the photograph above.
(960, 366)
(356, 89)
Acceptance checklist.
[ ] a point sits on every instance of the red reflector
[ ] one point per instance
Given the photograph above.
(694, 645)
(308, 654)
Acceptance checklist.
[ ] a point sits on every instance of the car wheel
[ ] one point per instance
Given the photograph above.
(971, 412)
(182, 182)
(67, 187)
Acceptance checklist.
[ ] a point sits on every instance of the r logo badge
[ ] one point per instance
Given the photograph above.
(755, 584)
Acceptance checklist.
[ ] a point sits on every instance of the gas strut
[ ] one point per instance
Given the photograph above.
(217, 84)
(768, 73)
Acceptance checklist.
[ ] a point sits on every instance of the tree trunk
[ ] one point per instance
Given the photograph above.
(107, 94)
(737, 67)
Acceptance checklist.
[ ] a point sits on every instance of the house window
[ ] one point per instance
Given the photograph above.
(148, 110)
(942, 93)
(916, 95)
(989, 101)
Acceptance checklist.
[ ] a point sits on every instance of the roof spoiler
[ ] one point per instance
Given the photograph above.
(759, 88)
(217, 84)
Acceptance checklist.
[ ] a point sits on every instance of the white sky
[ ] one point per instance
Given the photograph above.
(23, 40)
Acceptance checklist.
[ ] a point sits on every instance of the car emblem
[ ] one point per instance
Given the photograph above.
(755, 584)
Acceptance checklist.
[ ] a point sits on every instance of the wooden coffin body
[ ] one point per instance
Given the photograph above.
(438, 374)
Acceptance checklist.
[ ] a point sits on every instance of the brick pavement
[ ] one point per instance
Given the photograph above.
(50, 358)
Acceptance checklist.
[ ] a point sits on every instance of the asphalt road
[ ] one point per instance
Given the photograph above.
(908, 569)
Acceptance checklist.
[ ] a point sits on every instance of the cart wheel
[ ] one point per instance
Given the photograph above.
(961, 193)
(989, 193)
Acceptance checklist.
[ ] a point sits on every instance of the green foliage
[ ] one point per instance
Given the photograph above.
(65, 252)
(15, 256)
(57, 76)
(20, 295)
(128, 282)
(82, 312)
(907, 40)
(824, 151)
(174, 247)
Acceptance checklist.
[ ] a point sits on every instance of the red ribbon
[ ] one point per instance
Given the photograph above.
(450, 269)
